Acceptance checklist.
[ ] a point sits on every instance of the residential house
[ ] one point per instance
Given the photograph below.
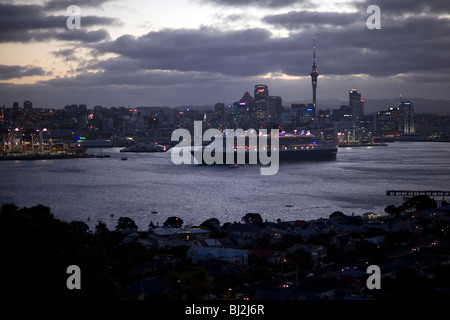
(243, 234)
(276, 231)
(267, 255)
(227, 255)
(166, 237)
(343, 241)
(317, 252)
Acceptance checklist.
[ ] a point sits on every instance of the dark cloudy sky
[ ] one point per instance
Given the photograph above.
(175, 52)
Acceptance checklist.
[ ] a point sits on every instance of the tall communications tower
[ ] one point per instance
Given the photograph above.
(314, 74)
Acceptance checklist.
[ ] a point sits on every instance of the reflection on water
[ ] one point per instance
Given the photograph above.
(91, 190)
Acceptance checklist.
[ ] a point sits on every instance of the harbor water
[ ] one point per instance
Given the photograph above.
(104, 189)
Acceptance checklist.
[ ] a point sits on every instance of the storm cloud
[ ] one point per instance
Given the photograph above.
(15, 71)
(24, 23)
(409, 52)
(259, 3)
(410, 45)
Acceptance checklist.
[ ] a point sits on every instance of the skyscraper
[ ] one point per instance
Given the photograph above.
(406, 117)
(27, 105)
(261, 101)
(305, 114)
(356, 104)
(242, 109)
(275, 107)
(314, 74)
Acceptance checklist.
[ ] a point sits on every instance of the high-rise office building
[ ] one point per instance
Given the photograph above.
(243, 109)
(387, 122)
(219, 111)
(406, 117)
(261, 101)
(356, 104)
(27, 105)
(305, 114)
(275, 107)
(314, 74)
(16, 107)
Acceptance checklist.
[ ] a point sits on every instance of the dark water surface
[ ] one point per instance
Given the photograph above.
(93, 190)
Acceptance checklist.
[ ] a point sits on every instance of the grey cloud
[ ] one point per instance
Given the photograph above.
(401, 46)
(345, 46)
(82, 35)
(240, 53)
(63, 4)
(401, 7)
(23, 23)
(16, 72)
(154, 78)
(259, 3)
(408, 46)
(300, 19)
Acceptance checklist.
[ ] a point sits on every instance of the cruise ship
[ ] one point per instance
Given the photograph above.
(292, 148)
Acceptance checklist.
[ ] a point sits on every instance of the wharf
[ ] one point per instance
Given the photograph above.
(412, 193)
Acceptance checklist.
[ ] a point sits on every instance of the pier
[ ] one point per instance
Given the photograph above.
(412, 193)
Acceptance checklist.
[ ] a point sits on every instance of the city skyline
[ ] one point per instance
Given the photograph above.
(206, 51)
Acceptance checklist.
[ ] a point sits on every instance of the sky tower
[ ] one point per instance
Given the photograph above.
(314, 74)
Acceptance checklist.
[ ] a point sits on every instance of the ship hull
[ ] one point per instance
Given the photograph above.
(316, 154)
(308, 155)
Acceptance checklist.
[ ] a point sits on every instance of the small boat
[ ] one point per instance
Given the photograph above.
(289, 206)
(233, 166)
(154, 212)
(124, 158)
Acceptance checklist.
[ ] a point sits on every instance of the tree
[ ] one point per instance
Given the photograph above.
(9, 208)
(337, 214)
(252, 218)
(52, 245)
(174, 222)
(79, 226)
(101, 228)
(124, 223)
(213, 225)
(391, 209)
(421, 202)
(190, 286)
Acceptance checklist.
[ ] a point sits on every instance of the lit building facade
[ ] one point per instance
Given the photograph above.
(356, 104)
(406, 117)
(261, 101)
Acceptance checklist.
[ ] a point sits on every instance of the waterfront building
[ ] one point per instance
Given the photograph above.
(395, 120)
(305, 114)
(387, 122)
